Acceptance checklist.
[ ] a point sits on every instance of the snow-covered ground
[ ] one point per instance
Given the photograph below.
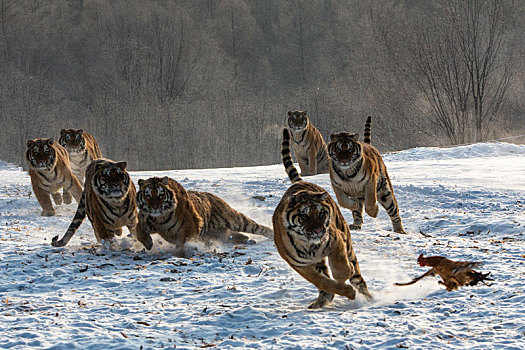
(470, 200)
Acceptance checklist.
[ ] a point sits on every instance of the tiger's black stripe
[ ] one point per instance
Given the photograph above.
(287, 158)
(368, 124)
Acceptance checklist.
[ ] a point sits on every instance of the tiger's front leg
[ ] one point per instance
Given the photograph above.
(344, 200)
(303, 164)
(312, 163)
(322, 282)
(57, 198)
(66, 196)
(324, 298)
(143, 236)
(45, 202)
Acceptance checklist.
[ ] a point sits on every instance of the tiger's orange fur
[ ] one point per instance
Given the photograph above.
(360, 179)
(82, 149)
(180, 216)
(310, 231)
(308, 144)
(108, 200)
(50, 171)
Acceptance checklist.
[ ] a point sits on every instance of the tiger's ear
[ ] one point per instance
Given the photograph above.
(292, 201)
(165, 180)
(355, 137)
(63, 132)
(50, 141)
(122, 165)
(30, 143)
(303, 112)
(80, 131)
(290, 113)
(333, 137)
(140, 182)
(322, 196)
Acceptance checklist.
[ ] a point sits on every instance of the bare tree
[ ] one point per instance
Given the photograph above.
(454, 57)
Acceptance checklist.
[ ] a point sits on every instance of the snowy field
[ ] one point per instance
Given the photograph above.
(469, 200)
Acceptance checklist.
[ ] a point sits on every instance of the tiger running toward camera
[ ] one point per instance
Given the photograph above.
(108, 200)
(310, 231)
(50, 171)
(180, 216)
(359, 178)
(308, 144)
(82, 149)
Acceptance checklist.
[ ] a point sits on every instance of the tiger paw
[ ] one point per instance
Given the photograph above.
(349, 292)
(67, 198)
(355, 226)
(317, 304)
(372, 210)
(49, 212)
(399, 229)
(147, 242)
(322, 300)
(57, 198)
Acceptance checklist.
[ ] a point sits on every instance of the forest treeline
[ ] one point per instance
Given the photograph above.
(208, 83)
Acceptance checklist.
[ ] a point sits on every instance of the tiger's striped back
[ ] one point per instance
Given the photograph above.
(179, 216)
(219, 215)
(368, 126)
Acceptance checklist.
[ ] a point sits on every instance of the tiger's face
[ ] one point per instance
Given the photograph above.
(297, 120)
(111, 180)
(40, 154)
(344, 149)
(73, 140)
(308, 215)
(155, 197)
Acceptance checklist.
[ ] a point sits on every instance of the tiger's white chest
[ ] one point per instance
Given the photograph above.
(79, 162)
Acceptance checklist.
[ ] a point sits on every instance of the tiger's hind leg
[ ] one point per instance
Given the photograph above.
(388, 201)
(57, 198)
(229, 236)
(324, 298)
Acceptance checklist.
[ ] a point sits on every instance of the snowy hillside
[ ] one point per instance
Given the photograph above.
(470, 200)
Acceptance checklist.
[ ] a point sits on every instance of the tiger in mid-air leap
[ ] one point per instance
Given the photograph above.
(179, 216)
(360, 179)
(310, 231)
(50, 171)
(82, 148)
(308, 144)
(108, 201)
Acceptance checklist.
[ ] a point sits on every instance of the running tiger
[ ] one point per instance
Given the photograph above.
(360, 179)
(50, 171)
(454, 273)
(179, 216)
(82, 149)
(310, 230)
(308, 144)
(108, 200)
